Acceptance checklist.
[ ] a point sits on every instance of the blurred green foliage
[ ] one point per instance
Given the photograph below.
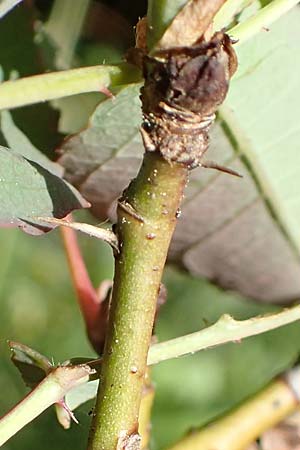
(39, 309)
(193, 390)
(19, 56)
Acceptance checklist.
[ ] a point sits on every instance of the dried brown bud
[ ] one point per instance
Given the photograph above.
(184, 87)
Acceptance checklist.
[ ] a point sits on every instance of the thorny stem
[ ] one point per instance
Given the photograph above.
(146, 220)
(51, 390)
(177, 114)
(40, 88)
(225, 330)
(245, 424)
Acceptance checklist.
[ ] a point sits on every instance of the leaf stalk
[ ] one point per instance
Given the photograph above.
(51, 390)
(50, 86)
(225, 330)
(261, 20)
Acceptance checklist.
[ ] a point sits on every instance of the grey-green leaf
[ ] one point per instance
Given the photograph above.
(109, 149)
(33, 366)
(28, 190)
(17, 140)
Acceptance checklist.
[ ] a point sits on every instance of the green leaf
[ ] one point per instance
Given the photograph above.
(241, 233)
(28, 190)
(33, 366)
(111, 143)
(17, 140)
(19, 56)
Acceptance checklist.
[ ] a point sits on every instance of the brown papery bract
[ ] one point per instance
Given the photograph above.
(190, 24)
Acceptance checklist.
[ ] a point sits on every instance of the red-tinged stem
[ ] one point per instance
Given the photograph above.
(86, 293)
(93, 306)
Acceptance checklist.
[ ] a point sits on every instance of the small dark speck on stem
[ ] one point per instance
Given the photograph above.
(276, 404)
(151, 236)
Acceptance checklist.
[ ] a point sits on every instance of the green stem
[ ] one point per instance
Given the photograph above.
(146, 221)
(40, 88)
(263, 19)
(51, 390)
(225, 330)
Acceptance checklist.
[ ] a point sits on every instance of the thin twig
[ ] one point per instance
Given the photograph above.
(49, 86)
(225, 330)
(86, 228)
(51, 390)
(92, 303)
(261, 20)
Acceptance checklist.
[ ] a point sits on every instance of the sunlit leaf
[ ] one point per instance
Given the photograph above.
(28, 190)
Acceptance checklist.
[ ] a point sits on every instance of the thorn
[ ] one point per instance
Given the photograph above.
(213, 165)
(233, 40)
(125, 206)
(64, 405)
(107, 92)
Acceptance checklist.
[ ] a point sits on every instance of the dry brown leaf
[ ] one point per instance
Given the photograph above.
(190, 24)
